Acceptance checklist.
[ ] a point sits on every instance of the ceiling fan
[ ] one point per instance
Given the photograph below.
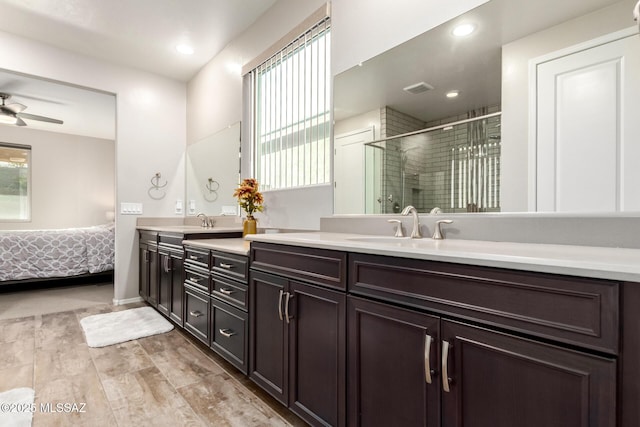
(13, 113)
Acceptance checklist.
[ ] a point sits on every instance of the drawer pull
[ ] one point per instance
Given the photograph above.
(194, 257)
(194, 279)
(286, 307)
(427, 363)
(226, 291)
(280, 304)
(225, 265)
(445, 366)
(195, 313)
(228, 333)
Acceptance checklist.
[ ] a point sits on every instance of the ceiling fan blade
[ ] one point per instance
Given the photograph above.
(15, 107)
(20, 122)
(40, 118)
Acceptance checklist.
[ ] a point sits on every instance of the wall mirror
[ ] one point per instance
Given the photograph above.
(213, 172)
(474, 93)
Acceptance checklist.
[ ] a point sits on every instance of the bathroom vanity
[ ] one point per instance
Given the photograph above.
(351, 329)
(445, 333)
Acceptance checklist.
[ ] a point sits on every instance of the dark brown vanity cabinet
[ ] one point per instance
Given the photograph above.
(297, 339)
(229, 300)
(170, 292)
(148, 267)
(457, 345)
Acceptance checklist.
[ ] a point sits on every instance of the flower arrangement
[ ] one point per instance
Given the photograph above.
(249, 198)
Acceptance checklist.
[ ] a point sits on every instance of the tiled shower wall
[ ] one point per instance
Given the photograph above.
(441, 168)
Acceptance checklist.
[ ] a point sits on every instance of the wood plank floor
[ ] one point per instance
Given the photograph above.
(163, 380)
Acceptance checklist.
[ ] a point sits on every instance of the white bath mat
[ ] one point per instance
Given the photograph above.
(17, 407)
(101, 330)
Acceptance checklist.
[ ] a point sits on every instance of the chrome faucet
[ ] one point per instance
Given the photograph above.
(437, 233)
(415, 233)
(205, 219)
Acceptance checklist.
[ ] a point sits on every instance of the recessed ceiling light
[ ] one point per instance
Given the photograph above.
(463, 30)
(184, 49)
(453, 93)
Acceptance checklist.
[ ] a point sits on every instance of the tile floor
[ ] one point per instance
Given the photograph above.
(163, 380)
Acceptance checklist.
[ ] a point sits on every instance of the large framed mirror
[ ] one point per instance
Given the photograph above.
(479, 97)
(213, 172)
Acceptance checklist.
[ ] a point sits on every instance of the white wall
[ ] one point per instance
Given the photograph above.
(515, 91)
(150, 137)
(72, 178)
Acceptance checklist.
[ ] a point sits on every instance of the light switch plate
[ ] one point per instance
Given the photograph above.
(131, 208)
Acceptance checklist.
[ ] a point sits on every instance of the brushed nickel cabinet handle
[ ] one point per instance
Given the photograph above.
(226, 291)
(195, 313)
(427, 363)
(280, 304)
(228, 333)
(286, 306)
(193, 257)
(445, 367)
(195, 279)
(225, 265)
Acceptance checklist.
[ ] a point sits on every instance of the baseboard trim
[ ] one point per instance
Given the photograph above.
(126, 301)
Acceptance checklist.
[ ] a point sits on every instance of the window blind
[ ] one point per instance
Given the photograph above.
(291, 100)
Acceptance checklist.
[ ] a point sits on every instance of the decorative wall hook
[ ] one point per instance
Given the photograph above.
(212, 186)
(155, 189)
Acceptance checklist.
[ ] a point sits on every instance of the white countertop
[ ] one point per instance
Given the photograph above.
(237, 246)
(585, 261)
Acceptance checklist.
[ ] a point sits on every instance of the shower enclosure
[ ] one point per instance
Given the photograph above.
(454, 166)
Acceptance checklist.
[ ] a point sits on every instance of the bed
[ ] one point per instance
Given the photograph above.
(45, 254)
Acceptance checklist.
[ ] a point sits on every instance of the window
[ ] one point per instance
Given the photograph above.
(291, 100)
(14, 182)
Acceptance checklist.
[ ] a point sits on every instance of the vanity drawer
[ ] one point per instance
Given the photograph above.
(148, 238)
(574, 310)
(171, 240)
(198, 279)
(196, 257)
(196, 318)
(319, 266)
(229, 265)
(235, 293)
(229, 333)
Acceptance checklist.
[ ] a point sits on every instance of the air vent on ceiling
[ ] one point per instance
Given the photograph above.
(418, 88)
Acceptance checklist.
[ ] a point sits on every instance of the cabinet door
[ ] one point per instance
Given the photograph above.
(317, 353)
(392, 364)
(153, 275)
(498, 380)
(164, 284)
(177, 287)
(143, 272)
(268, 359)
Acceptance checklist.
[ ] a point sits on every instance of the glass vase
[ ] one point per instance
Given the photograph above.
(249, 226)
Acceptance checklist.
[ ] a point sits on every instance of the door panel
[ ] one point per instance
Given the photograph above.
(587, 108)
(497, 380)
(386, 359)
(268, 358)
(317, 354)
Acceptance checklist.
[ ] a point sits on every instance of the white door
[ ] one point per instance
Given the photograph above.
(349, 171)
(587, 146)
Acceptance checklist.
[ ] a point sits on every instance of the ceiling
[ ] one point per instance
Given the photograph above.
(141, 34)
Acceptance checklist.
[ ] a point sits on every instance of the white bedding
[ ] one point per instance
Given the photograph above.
(29, 254)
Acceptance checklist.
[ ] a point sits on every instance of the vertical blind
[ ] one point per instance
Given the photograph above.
(291, 98)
